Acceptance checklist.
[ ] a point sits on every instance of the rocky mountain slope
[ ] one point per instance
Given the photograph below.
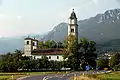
(101, 28)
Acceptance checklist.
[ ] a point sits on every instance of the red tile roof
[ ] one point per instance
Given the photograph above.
(48, 52)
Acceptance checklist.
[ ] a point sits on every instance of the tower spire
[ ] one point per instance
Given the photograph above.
(73, 26)
(73, 15)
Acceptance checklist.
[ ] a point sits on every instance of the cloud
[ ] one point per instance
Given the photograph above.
(95, 1)
(118, 1)
(19, 17)
(2, 15)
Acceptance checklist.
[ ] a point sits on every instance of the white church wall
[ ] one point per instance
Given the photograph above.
(50, 57)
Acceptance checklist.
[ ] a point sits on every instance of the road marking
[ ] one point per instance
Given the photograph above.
(46, 77)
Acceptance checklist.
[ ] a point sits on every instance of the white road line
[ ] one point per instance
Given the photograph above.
(46, 77)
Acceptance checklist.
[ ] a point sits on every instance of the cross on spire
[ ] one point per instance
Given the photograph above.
(73, 9)
(28, 36)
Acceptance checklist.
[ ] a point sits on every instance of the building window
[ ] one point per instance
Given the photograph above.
(33, 44)
(27, 42)
(57, 57)
(72, 30)
(34, 57)
(49, 57)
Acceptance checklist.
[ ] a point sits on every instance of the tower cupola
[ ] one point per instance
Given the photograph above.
(73, 15)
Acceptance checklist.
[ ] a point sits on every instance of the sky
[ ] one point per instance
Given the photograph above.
(23, 17)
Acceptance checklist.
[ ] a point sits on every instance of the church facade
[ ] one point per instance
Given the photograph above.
(32, 49)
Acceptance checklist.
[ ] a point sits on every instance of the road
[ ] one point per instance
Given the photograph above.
(58, 76)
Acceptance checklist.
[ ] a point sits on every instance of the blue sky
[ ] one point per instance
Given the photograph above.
(22, 17)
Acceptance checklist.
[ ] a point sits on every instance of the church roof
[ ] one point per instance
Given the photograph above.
(47, 52)
(28, 38)
(73, 15)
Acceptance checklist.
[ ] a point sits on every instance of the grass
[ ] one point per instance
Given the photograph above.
(106, 76)
(4, 77)
(14, 76)
(110, 76)
(11, 77)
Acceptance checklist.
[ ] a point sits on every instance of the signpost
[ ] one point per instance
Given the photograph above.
(87, 68)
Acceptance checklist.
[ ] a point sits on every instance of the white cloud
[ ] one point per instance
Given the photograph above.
(19, 17)
(2, 15)
(95, 1)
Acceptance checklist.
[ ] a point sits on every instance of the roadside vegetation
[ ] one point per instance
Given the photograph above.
(113, 63)
(106, 76)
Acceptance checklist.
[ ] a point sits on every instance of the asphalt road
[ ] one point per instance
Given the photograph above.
(58, 76)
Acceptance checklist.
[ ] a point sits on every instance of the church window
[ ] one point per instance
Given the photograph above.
(49, 57)
(57, 57)
(27, 42)
(72, 30)
(33, 44)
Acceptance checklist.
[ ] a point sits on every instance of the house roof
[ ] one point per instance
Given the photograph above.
(48, 52)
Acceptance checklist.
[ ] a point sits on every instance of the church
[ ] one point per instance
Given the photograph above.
(32, 49)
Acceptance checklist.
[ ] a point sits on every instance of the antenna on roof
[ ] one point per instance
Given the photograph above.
(28, 36)
(34, 37)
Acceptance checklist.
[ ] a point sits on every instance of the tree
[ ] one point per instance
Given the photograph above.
(82, 53)
(41, 44)
(117, 67)
(72, 50)
(102, 63)
(59, 45)
(115, 60)
(87, 53)
(53, 44)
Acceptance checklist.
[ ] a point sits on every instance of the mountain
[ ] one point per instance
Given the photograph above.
(101, 28)
(58, 33)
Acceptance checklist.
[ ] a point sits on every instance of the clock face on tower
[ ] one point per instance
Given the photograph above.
(73, 21)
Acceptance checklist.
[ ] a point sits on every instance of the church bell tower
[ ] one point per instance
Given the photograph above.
(72, 25)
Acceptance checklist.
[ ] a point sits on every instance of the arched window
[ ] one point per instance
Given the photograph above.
(27, 42)
(72, 30)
